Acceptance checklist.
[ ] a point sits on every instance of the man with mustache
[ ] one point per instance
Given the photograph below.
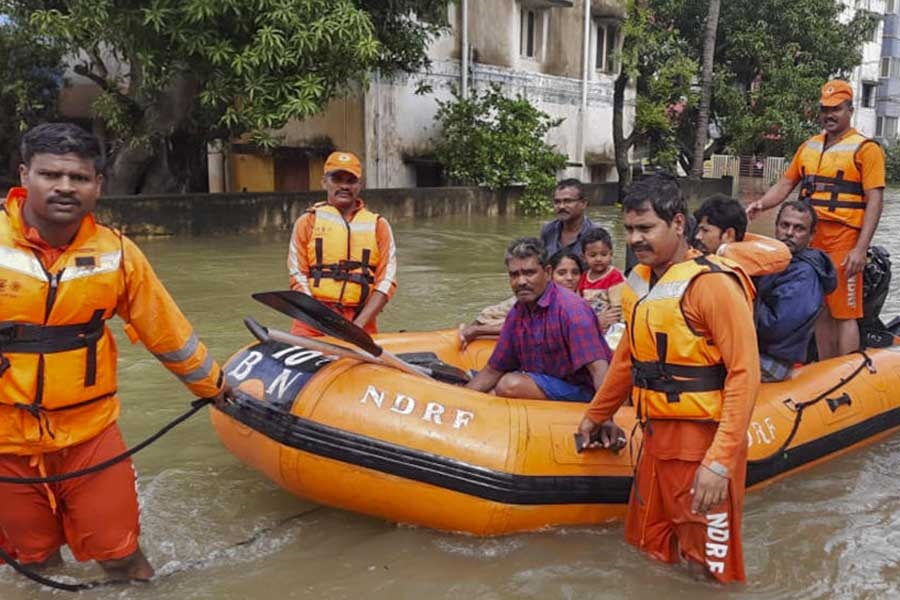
(789, 302)
(689, 362)
(64, 276)
(842, 176)
(550, 346)
(341, 253)
(570, 223)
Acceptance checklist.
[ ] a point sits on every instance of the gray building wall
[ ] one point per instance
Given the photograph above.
(887, 103)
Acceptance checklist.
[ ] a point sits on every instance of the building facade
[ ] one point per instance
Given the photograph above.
(865, 78)
(887, 105)
(559, 54)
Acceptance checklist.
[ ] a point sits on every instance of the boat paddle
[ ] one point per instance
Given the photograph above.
(440, 371)
(318, 316)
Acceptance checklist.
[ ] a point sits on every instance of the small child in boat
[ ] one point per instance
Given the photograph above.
(601, 284)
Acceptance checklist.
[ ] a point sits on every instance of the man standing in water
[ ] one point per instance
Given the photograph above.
(570, 223)
(689, 359)
(841, 173)
(341, 253)
(62, 276)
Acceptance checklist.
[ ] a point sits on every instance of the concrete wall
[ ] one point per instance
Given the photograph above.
(252, 212)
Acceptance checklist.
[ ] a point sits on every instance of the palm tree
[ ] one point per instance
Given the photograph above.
(709, 50)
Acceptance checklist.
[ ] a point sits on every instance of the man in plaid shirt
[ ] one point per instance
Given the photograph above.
(550, 347)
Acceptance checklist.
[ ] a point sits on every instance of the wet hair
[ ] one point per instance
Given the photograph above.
(62, 138)
(596, 234)
(725, 213)
(527, 247)
(801, 207)
(661, 191)
(572, 183)
(559, 255)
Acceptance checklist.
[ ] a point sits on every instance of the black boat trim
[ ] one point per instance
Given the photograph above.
(507, 488)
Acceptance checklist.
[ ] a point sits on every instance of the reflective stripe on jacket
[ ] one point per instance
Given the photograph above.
(831, 180)
(343, 255)
(677, 374)
(58, 381)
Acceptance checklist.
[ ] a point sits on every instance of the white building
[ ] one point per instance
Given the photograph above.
(560, 54)
(864, 78)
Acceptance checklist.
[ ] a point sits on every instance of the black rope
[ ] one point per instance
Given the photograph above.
(195, 406)
(52, 583)
(801, 406)
(200, 562)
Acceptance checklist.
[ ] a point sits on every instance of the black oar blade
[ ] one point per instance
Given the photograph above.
(315, 314)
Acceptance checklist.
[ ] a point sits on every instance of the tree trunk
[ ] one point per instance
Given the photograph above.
(621, 144)
(709, 50)
(173, 160)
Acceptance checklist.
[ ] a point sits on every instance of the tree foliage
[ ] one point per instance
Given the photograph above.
(496, 141)
(771, 59)
(191, 70)
(32, 77)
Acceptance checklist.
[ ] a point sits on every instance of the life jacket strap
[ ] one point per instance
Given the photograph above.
(28, 338)
(812, 184)
(673, 380)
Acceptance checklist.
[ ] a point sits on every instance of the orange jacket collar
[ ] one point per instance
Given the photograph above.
(16, 199)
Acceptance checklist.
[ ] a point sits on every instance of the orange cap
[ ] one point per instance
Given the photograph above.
(343, 161)
(835, 92)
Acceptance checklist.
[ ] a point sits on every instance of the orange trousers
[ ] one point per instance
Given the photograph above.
(96, 515)
(659, 519)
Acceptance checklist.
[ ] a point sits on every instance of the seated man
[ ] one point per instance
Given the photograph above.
(550, 346)
(789, 302)
(722, 230)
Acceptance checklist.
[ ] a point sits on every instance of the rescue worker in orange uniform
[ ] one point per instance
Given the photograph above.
(841, 173)
(341, 253)
(690, 364)
(62, 277)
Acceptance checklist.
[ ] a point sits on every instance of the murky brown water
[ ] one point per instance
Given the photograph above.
(832, 532)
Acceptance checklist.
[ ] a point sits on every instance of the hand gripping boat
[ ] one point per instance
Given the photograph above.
(374, 440)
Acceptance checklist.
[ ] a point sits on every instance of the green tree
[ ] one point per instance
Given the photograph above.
(175, 74)
(32, 77)
(496, 141)
(771, 59)
(892, 163)
(657, 63)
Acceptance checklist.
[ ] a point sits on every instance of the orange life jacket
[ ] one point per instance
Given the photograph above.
(57, 356)
(343, 255)
(831, 180)
(676, 373)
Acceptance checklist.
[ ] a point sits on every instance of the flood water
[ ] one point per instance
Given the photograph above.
(215, 529)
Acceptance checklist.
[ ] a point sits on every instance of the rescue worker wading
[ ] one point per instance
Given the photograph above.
(341, 253)
(62, 276)
(690, 360)
(841, 174)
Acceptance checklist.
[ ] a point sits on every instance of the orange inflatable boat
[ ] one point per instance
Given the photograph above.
(371, 439)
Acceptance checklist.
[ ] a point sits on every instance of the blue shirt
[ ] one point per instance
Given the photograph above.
(551, 235)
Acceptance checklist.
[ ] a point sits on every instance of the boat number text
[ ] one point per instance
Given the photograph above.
(289, 357)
